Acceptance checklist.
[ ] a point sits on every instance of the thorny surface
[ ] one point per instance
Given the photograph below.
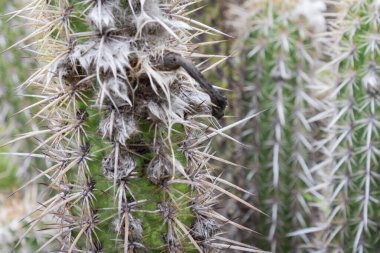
(127, 142)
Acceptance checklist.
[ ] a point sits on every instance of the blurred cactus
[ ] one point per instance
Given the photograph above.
(126, 129)
(281, 51)
(230, 74)
(14, 170)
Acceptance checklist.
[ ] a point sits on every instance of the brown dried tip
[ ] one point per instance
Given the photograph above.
(172, 61)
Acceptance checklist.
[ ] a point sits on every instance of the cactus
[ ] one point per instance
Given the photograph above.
(127, 126)
(352, 219)
(284, 52)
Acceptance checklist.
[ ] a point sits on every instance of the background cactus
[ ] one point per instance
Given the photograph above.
(281, 50)
(228, 17)
(126, 131)
(11, 67)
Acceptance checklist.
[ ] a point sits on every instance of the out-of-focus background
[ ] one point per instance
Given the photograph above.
(15, 168)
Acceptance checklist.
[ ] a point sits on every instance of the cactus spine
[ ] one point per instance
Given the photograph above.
(284, 54)
(127, 135)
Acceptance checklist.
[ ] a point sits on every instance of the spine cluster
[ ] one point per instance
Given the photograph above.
(126, 129)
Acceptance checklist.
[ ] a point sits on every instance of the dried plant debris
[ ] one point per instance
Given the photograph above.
(126, 132)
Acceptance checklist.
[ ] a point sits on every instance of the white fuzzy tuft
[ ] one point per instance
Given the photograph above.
(101, 16)
(313, 12)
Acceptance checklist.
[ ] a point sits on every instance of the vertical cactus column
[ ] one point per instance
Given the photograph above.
(284, 54)
(353, 221)
(227, 16)
(128, 120)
